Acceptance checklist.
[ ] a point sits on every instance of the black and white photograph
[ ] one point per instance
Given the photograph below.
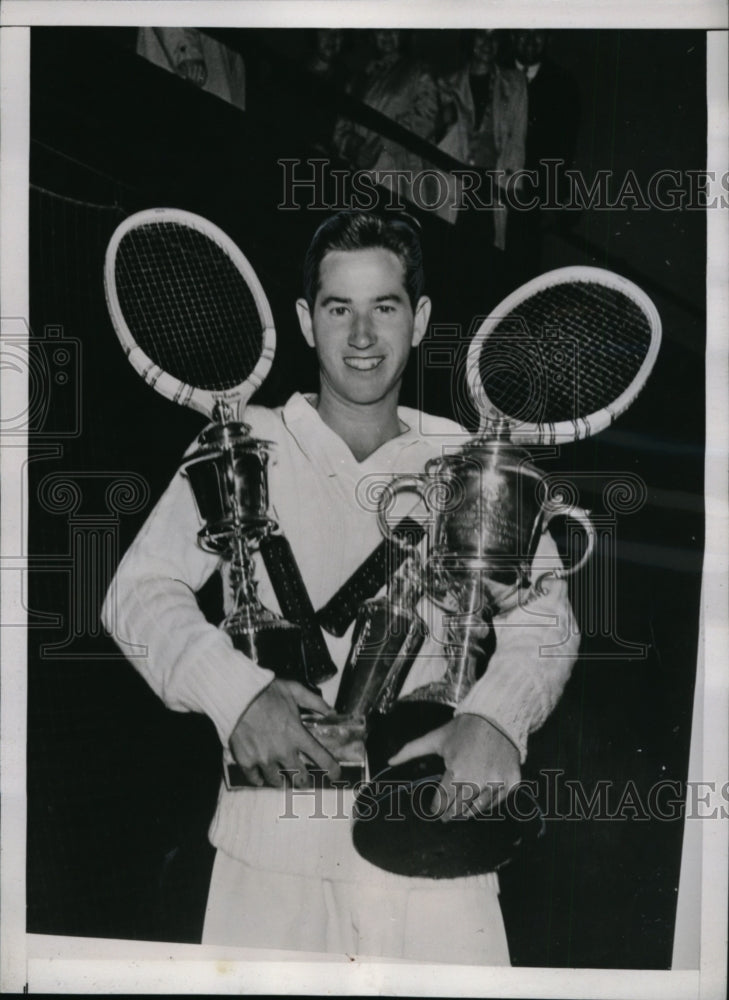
(364, 499)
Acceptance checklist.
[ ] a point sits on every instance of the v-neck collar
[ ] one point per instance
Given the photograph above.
(314, 436)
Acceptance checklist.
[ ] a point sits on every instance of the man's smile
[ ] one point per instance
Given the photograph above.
(364, 364)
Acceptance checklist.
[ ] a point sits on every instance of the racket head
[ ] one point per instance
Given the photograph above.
(188, 309)
(561, 357)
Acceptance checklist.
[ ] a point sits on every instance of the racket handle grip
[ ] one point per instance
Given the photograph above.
(296, 606)
(341, 609)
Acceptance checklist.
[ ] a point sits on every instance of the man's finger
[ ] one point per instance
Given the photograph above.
(272, 773)
(305, 698)
(491, 795)
(253, 776)
(294, 770)
(430, 743)
(319, 755)
(457, 797)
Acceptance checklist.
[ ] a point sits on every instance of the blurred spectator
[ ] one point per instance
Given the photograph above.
(485, 107)
(403, 89)
(553, 114)
(326, 64)
(552, 126)
(325, 59)
(198, 58)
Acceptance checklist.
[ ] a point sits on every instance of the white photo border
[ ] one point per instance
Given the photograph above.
(59, 965)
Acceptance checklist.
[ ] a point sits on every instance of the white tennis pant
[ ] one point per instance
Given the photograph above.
(449, 920)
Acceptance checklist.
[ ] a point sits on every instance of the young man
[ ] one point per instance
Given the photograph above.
(295, 882)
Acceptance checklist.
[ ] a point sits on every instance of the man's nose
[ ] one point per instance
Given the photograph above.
(361, 332)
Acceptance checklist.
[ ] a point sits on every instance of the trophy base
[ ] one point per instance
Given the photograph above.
(272, 643)
(351, 776)
(394, 826)
(394, 829)
(341, 735)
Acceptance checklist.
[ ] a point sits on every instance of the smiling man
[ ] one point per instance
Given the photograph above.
(294, 881)
(363, 321)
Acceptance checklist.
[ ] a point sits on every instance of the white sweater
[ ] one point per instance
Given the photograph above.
(320, 499)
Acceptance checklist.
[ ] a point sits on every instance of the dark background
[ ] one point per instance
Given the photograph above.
(117, 785)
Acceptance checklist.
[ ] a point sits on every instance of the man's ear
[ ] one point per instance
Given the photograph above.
(304, 313)
(420, 320)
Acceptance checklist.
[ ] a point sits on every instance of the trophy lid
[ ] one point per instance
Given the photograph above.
(233, 434)
(497, 452)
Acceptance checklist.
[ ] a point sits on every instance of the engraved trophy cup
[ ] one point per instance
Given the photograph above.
(488, 506)
(228, 477)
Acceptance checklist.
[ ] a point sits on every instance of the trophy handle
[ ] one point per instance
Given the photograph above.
(413, 483)
(583, 517)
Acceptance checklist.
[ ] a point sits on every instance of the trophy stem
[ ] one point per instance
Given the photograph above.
(242, 580)
(267, 639)
(386, 641)
(465, 654)
(387, 637)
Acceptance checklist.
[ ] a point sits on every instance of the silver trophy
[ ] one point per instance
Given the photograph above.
(229, 481)
(228, 477)
(388, 634)
(488, 506)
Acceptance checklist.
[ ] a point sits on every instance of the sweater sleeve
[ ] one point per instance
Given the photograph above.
(152, 613)
(536, 648)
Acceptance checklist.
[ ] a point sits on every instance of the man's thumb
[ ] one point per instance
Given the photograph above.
(430, 743)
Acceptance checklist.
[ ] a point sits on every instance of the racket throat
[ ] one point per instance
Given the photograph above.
(223, 412)
(496, 430)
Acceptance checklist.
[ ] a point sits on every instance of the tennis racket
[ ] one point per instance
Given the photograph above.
(189, 310)
(561, 357)
(195, 323)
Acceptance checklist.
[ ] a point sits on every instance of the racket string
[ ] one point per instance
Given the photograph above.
(566, 352)
(188, 306)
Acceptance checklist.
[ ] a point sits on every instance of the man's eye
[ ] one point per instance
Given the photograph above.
(338, 310)
(385, 308)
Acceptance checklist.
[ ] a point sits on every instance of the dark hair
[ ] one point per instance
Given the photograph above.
(405, 38)
(351, 230)
(467, 39)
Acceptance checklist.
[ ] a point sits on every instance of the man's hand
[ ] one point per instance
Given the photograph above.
(482, 765)
(269, 736)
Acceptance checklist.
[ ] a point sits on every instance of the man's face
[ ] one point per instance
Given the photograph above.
(362, 324)
(528, 46)
(328, 42)
(484, 47)
(387, 41)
